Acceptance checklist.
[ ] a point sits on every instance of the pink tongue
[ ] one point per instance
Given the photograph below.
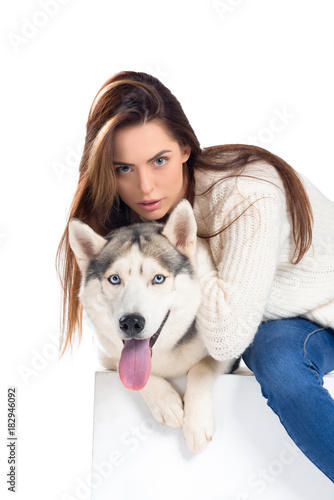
(135, 364)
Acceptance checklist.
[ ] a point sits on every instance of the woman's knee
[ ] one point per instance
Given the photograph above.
(282, 343)
(276, 354)
(272, 345)
(277, 359)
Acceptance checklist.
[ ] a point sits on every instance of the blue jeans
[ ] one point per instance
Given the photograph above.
(289, 358)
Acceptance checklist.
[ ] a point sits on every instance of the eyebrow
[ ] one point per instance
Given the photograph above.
(148, 161)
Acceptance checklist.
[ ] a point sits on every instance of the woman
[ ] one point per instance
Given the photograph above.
(270, 233)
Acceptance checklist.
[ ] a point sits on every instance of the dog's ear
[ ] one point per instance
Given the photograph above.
(181, 229)
(84, 242)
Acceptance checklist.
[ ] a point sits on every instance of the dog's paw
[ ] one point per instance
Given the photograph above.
(169, 410)
(198, 431)
(165, 403)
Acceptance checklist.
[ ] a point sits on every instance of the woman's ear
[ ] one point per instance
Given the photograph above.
(186, 153)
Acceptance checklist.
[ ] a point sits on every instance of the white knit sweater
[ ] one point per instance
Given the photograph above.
(254, 279)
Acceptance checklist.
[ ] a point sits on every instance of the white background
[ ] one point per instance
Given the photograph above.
(232, 64)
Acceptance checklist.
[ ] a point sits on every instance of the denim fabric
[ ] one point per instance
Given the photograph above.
(289, 358)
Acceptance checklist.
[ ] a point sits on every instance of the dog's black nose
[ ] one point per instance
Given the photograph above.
(132, 324)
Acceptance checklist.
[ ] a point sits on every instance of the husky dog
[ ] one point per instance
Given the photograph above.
(140, 290)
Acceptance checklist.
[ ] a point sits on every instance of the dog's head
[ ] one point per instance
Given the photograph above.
(139, 275)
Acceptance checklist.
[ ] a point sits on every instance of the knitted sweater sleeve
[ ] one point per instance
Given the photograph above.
(246, 256)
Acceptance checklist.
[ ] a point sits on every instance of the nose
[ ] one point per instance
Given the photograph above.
(132, 324)
(145, 181)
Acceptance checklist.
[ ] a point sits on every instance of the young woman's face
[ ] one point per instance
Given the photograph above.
(149, 170)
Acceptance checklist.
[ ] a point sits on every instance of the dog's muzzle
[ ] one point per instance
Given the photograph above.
(133, 324)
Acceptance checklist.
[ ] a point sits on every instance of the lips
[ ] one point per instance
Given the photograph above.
(149, 204)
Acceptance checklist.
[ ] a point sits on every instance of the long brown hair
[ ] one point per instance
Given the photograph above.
(135, 98)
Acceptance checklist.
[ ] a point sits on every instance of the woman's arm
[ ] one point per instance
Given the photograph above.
(235, 293)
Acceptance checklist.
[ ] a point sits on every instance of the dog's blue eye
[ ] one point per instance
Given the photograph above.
(114, 279)
(158, 279)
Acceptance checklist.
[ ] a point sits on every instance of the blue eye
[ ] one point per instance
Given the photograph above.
(114, 279)
(158, 279)
(163, 159)
(123, 170)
